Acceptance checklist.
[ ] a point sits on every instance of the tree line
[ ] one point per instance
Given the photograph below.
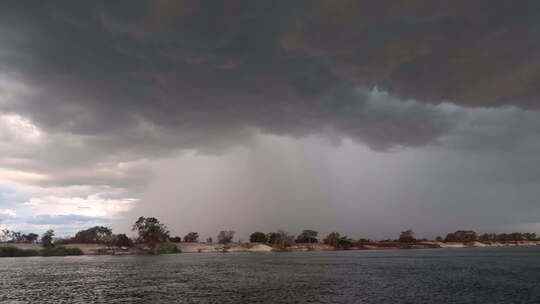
(472, 236)
(152, 232)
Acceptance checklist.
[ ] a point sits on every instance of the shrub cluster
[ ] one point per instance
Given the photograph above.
(163, 248)
(61, 251)
(10, 251)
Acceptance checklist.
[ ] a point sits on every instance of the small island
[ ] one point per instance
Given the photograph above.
(153, 237)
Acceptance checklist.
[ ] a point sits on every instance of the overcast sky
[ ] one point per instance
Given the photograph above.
(363, 117)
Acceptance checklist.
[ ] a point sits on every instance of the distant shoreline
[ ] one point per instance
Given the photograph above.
(201, 247)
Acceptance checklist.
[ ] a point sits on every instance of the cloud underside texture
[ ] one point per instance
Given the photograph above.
(93, 93)
(178, 71)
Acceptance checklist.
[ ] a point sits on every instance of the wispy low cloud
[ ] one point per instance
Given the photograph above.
(67, 219)
(63, 225)
(66, 209)
(91, 206)
(7, 213)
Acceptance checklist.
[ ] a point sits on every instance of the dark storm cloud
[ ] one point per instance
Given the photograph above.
(112, 82)
(165, 74)
(474, 53)
(103, 68)
(103, 102)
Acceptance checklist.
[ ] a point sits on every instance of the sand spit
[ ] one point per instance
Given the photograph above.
(483, 244)
(208, 248)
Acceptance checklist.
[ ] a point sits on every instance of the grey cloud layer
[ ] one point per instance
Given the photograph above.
(118, 88)
(474, 53)
(117, 81)
(209, 69)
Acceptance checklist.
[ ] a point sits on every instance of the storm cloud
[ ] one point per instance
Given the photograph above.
(97, 99)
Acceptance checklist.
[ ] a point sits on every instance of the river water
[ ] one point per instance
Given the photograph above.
(475, 275)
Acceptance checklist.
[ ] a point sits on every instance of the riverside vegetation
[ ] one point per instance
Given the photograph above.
(48, 248)
(153, 237)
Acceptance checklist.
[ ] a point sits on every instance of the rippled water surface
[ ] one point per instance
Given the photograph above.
(476, 275)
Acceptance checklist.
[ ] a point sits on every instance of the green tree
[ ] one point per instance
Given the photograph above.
(176, 239)
(530, 236)
(191, 237)
(122, 240)
(407, 236)
(516, 236)
(488, 237)
(151, 231)
(337, 241)
(5, 236)
(272, 238)
(97, 234)
(225, 236)
(332, 239)
(258, 237)
(47, 238)
(17, 237)
(31, 237)
(502, 237)
(345, 243)
(280, 240)
(10, 236)
(307, 236)
(461, 236)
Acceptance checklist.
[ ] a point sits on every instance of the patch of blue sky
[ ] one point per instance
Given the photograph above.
(7, 200)
(65, 219)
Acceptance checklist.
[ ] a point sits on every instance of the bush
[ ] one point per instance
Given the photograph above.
(226, 248)
(47, 238)
(164, 248)
(175, 239)
(337, 241)
(406, 237)
(280, 239)
(167, 248)
(225, 237)
(461, 236)
(345, 243)
(307, 236)
(104, 251)
(11, 251)
(281, 249)
(150, 251)
(258, 237)
(61, 251)
(191, 237)
(122, 240)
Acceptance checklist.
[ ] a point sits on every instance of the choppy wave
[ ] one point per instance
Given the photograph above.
(479, 275)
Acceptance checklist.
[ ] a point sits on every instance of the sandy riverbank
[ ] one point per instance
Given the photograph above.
(486, 244)
(92, 249)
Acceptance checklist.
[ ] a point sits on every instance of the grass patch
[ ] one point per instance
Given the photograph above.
(281, 249)
(103, 251)
(61, 251)
(164, 248)
(11, 251)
